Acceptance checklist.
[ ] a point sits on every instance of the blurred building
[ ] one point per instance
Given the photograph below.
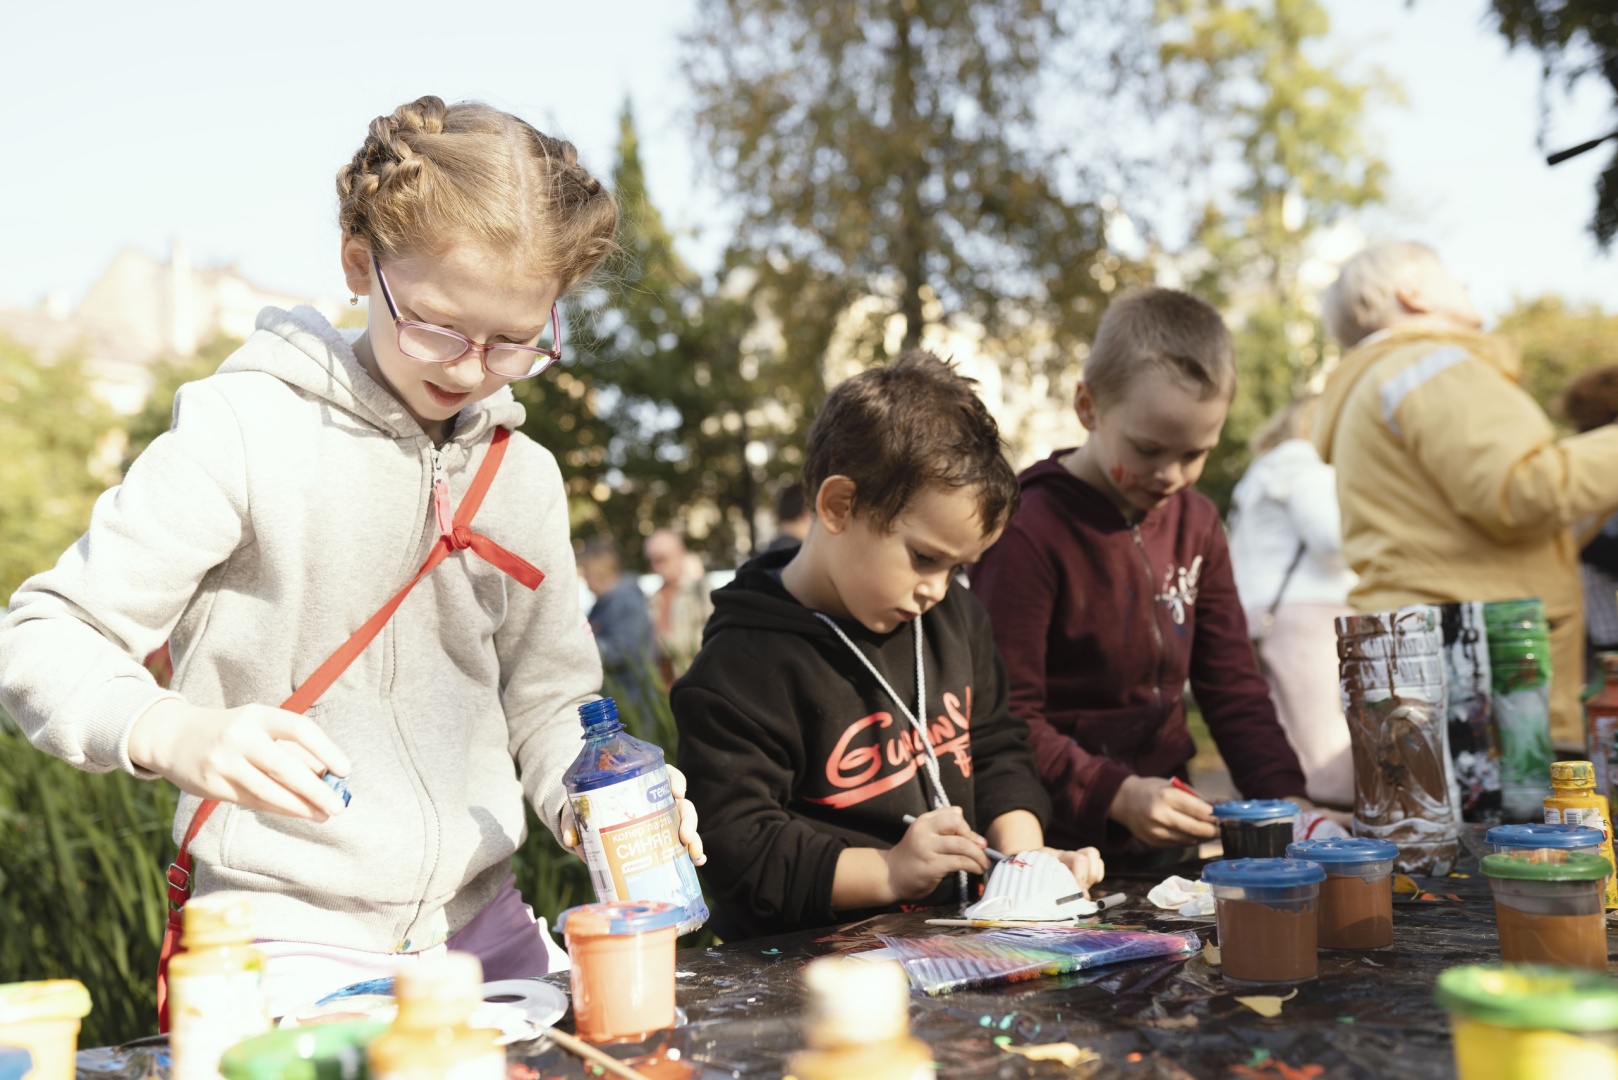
(140, 310)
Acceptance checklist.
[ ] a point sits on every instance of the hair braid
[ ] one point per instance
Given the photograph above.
(430, 176)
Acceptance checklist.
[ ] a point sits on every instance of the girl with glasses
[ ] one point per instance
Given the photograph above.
(352, 528)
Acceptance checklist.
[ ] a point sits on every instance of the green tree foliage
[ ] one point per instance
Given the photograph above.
(911, 150)
(54, 460)
(671, 404)
(1559, 341)
(1575, 39)
(167, 377)
(1279, 115)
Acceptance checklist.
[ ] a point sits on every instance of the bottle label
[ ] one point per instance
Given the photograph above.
(484, 1067)
(208, 1014)
(630, 836)
(1553, 816)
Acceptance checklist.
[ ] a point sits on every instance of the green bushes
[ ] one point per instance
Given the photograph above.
(82, 891)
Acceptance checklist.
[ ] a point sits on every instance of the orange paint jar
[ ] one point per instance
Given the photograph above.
(623, 967)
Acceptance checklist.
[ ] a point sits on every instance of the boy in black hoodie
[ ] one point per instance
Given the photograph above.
(798, 725)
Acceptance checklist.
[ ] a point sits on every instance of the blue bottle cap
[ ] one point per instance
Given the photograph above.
(614, 917)
(1561, 837)
(600, 711)
(1255, 810)
(1263, 873)
(1340, 850)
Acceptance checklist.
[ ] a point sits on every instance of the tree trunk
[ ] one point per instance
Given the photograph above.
(910, 243)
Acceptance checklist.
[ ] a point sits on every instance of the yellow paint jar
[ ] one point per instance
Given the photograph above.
(1531, 1023)
(43, 1018)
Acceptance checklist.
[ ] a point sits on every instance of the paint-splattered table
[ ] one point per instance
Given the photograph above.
(1368, 1015)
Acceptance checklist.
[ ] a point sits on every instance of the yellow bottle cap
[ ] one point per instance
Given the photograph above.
(1573, 773)
(442, 990)
(855, 1002)
(53, 999)
(219, 919)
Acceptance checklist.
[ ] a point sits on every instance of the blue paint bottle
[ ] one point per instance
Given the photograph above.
(629, 826)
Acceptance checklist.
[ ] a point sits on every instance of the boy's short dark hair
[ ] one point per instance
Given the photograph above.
(1591, 400)
(1164, 330)
(896, 429)
(790, 504)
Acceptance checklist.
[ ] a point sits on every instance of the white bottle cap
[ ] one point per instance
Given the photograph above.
(855, 1002)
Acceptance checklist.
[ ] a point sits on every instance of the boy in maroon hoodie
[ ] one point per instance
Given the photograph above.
(1112, 587)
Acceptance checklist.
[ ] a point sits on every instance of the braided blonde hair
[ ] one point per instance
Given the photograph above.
(430, 176)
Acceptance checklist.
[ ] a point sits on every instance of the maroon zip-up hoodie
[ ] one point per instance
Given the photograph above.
(1101, 624)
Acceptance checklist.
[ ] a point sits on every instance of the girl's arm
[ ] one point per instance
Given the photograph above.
(72, 644)
(549, 664)
(71, 647)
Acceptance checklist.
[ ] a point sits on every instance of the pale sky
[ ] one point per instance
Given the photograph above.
(124, 125)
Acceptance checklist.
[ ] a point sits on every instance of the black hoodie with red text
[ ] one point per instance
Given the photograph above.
(793, 751)
(1102, 622)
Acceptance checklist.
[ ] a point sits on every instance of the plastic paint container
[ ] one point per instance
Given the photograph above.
(623, 967)
(1530, 1023)
(1356, 899)
(321, 1052)
(1266, 910)
(1549, 908)
(1536, 836)
(43, 1018)
(1256, 828)
(628, 822)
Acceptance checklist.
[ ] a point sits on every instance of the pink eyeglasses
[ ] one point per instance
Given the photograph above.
(437, 345)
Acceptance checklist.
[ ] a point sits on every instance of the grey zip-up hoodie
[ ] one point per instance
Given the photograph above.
(291, 498)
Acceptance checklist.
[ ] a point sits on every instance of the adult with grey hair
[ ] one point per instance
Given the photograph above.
(1450, 479)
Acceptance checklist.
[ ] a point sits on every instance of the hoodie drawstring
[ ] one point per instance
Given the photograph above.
(930, 761)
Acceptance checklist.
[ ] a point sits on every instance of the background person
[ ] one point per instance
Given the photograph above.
(622, 628)
(1450, 478)
(681, 605)
(1286, 550)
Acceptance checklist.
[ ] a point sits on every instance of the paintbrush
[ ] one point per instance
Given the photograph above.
(994, 856)
(584, 1050)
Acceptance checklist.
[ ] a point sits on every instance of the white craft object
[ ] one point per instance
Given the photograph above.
(1174, 893)
(1028, 887)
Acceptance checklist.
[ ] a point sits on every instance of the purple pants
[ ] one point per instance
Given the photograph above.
(504, 936)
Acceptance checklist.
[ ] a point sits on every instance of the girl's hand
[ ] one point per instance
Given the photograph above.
(1085, 864)
(688, 821)
(1160, 814)
(255, 756)
(936, 845)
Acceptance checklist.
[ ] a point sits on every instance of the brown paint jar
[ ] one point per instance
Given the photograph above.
(1549, 906)
(1267, 915)
(1356, 899)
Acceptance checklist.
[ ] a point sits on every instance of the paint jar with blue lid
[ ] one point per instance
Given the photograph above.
(1540, 837)
(623, 967)
(1268, 921)
(1256, 828)
(1356, 899)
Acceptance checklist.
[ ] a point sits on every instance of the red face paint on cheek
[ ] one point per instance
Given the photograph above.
(1117, 473)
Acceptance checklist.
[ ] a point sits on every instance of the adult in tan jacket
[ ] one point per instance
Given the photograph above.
(1451, 481)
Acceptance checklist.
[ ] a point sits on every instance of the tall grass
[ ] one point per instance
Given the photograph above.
(82, 894)
(82, 891)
